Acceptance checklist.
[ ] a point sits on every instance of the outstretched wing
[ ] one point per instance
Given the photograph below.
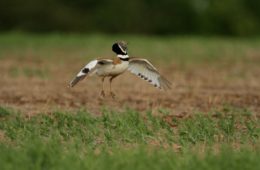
(91, 67)
(145, 70)
(83, 72)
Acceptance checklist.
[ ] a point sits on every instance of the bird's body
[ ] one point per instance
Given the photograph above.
(114, 67)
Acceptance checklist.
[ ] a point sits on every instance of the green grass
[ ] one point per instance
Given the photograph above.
(4, 112)
(223, 139)
(163, 49)
(52, 156)
(129, 140)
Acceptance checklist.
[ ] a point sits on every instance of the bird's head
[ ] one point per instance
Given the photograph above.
(120, 48)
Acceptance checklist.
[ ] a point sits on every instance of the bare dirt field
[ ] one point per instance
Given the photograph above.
(41, 86)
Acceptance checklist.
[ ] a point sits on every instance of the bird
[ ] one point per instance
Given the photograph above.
(112, 68)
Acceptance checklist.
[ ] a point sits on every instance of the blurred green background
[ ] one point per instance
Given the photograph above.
(175, 17)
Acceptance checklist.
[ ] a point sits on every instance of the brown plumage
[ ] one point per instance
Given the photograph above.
(116, 61)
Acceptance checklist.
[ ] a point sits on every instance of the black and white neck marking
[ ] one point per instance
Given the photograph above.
(123, 57)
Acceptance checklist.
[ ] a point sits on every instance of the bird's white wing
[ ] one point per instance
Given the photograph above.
(145, 70)
(88, 69)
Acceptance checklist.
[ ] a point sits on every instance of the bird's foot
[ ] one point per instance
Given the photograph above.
(112, 95)
(102, 94)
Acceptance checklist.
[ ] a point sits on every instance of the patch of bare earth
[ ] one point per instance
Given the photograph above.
(2, 135)
(199, 87)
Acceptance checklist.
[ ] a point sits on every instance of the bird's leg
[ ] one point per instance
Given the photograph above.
(103, 92)
(111, 93)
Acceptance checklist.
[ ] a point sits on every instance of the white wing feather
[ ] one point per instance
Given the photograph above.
(83, 72)
(145, 70)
